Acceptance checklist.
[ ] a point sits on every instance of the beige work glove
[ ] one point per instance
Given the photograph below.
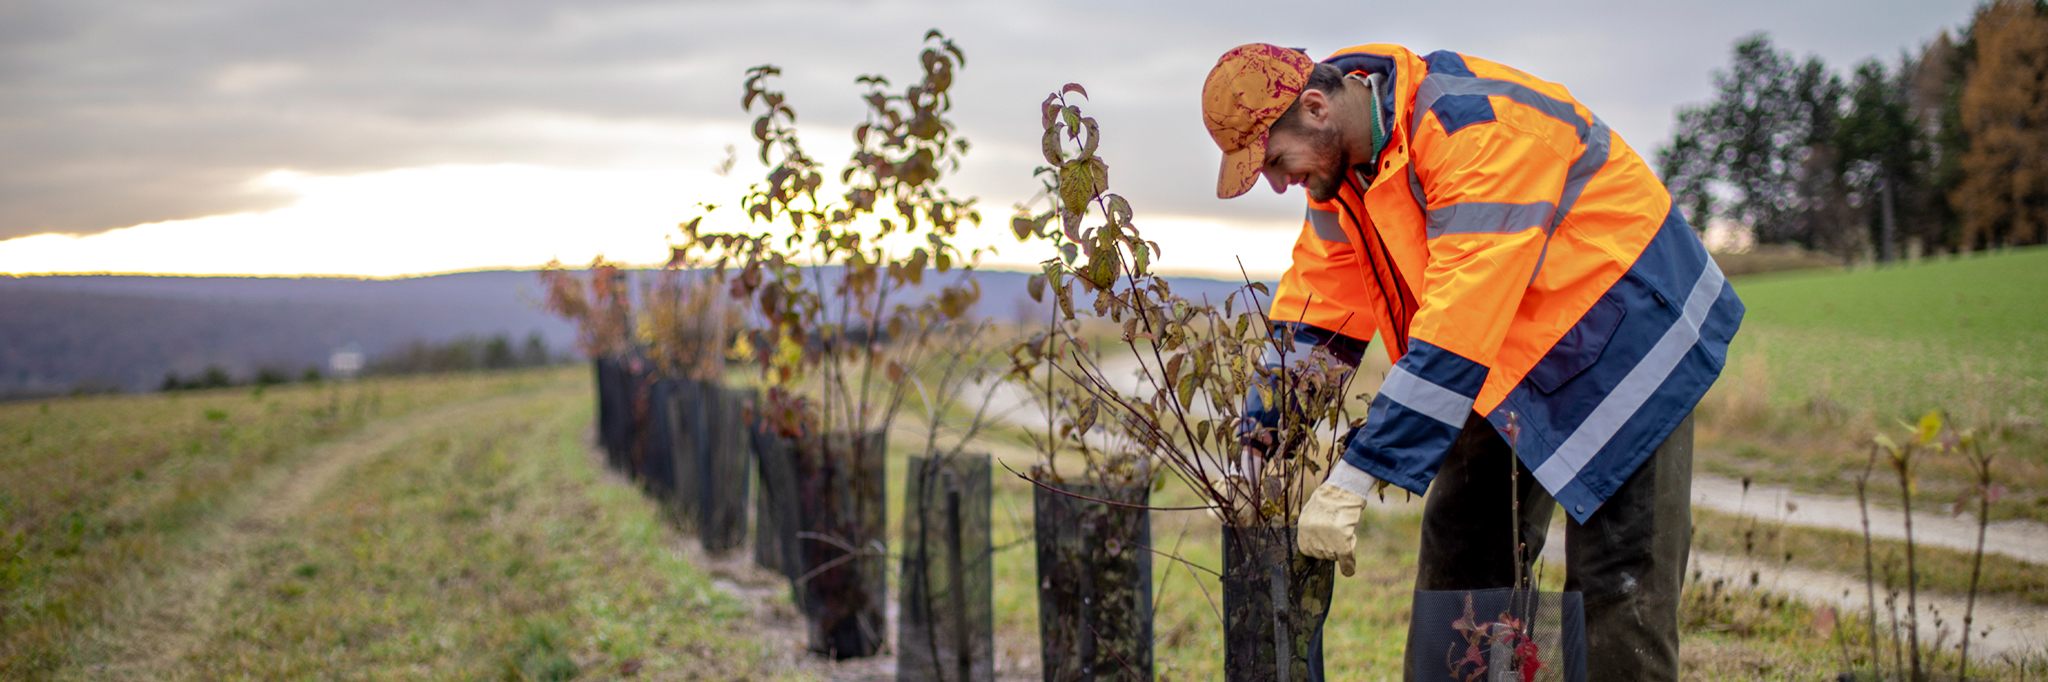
(1328, 525)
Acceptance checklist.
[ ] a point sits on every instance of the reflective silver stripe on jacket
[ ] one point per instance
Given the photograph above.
(1636, 387)
(1488, 217)
(1426, 397)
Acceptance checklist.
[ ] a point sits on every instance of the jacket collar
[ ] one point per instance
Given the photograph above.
(1403, 71)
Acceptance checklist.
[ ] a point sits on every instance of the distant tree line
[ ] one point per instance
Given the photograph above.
(1947, 147)
(462, 354)
(216, 376)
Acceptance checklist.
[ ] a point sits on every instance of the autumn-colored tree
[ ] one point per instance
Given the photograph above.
(829, 279)
(603, 316)
(2003, 196)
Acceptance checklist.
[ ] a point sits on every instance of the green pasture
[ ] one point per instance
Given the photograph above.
(491, 548)
(1828, 358)
(95, 491)
(1966, 334)
(142, 538)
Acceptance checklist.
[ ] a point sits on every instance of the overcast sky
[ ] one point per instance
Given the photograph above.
(397, 136)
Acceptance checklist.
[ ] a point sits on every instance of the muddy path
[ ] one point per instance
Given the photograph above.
(2020, 539)
(2005, 627)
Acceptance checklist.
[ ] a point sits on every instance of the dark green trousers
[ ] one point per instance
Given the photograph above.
(1628, 559)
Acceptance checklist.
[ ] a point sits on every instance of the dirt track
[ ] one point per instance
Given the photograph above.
(2023, 540)
(170, 612)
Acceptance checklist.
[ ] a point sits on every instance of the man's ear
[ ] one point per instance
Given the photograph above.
(1315, 108)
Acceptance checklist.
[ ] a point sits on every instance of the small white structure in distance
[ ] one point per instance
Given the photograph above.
(345, 362)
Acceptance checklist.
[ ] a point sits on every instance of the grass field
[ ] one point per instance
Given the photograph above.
(458, 527)
(1969, 335)
(93, 490)
(461, 528)
(437, 528)
(488, 548)
(1826, 359)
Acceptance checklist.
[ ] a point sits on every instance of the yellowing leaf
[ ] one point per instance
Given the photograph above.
(1930, 426)
(1050, 146)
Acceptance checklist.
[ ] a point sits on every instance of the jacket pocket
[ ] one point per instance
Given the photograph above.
(1581, 345)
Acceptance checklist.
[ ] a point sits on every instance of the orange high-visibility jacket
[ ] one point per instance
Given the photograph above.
(1295, 300)
(1522, 262)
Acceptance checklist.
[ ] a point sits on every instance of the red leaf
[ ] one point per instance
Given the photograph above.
(1530, 662)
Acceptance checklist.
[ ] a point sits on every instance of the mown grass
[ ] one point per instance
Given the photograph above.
(96, 490)
(1982, 305)
(1825, 360)
(489, 549)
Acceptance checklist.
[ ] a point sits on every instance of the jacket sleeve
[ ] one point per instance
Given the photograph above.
(1492, 189)
(1307, 321)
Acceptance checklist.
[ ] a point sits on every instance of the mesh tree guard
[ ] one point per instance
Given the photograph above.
(723, 467)
(615, 414)
(601, 380)
(637, 380)
(946, 629)
(1094, 583)
(1497, 635)
(1274, 601)
(660, 441)
(842, 540)
(688, 455)
(776, 517)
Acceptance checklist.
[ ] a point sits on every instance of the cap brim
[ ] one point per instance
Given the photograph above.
(1241, 169)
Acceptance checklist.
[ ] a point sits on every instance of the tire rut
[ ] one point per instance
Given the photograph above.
(172, 610)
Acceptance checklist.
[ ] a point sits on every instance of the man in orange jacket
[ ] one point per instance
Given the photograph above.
(1547, 308)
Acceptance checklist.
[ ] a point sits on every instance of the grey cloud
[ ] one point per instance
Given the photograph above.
(116, 113)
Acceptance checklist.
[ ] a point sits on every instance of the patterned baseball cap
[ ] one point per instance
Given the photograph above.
(1251, 86)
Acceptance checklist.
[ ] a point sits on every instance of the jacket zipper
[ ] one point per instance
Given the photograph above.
(1399, 301)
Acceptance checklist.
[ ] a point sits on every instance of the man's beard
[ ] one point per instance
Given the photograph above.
(1330, 160)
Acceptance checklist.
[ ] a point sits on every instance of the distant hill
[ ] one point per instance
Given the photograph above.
(123, 331)
(63, 332)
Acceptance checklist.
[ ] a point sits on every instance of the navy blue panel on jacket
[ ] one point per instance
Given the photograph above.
(1662, 333)
(1418, 413)
(1458, 111)
(1448, 63)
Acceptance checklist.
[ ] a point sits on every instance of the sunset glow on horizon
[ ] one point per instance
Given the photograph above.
(459, 218)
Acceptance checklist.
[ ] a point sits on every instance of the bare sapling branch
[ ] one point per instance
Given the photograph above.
(1130, 372)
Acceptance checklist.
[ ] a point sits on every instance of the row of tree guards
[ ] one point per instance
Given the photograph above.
(829, 307)
(818, 518)
(685, 441)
